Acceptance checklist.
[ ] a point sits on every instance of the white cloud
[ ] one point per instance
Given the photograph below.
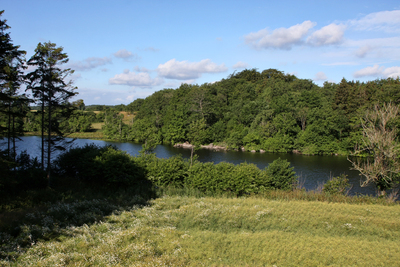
(89, 63)
(240, 65)
(328, 35)
(387, 21)
(378, 71)
(135, 79)
(125, 54)
(282, 38)
(392, 72)
(320, 76)
(184, 70)
(130, 98)
(363, 51)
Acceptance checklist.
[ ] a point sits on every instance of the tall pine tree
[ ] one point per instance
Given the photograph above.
(49, 86)
(11, 76)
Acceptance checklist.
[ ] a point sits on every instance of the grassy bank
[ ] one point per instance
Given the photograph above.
(218, 231)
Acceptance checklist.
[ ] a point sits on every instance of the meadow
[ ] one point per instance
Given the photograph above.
(278, 229)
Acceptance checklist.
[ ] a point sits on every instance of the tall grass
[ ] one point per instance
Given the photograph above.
(219, 231)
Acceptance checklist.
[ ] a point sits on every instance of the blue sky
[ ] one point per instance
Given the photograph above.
(124, 50)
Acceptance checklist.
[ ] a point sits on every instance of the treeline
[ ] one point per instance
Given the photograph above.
(77, 121)
(268, 110)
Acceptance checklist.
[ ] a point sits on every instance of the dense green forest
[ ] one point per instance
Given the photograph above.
(262, 111)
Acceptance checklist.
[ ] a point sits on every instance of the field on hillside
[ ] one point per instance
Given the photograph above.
(189, 231)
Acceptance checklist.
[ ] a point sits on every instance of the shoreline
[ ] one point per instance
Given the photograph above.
(187, 145)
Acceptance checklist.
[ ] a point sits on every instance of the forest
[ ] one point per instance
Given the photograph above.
(257, 111)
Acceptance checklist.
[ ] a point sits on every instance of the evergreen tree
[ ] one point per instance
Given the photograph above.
(11, 103)
(49, 86)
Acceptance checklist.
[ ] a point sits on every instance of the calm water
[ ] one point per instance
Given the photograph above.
(313, 170)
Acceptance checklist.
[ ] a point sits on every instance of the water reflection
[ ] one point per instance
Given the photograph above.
(313, 170)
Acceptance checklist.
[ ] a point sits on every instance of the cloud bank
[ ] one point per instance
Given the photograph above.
(184, 70)
(89, 63)
(386, 21)
(328, 35)
(141, 79)
(282, 38)
(378, 71)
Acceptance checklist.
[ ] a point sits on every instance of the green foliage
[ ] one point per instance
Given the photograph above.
(279, 175)
(164, 172)
(100, 166)
(21, 174)
(13, 104)
(240, 179)
(113, 127)
(337, 185)
(79, 121)
(266, 110)
(244, 180)
(197, 132)
(210, 177)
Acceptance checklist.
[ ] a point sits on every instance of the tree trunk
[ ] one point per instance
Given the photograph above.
(42, 134)
(191, 156)
(49, 145)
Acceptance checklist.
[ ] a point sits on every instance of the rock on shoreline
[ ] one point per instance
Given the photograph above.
(210, 146)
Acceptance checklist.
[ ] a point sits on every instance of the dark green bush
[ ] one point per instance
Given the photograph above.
(20, 175)
(100, 166)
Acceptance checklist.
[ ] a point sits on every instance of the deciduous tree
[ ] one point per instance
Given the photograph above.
(379, 140)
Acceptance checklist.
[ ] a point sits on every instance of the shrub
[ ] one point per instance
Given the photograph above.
(244, 179)
(165, 172)
(20, 175)
(201, 176)
(224, 177)
(279, 175)
(337, 185)
(100, 166)
(117, 167)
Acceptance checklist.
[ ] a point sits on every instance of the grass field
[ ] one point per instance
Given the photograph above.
(222, 231)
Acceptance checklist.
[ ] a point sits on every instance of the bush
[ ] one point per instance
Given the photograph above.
(244, 180)
(224, 177)
(337, 185)
(100, 166)
(165, 172)
(279, 175)
(20, 175)
(202, 177)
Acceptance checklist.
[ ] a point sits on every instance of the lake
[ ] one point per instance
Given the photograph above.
(312, 170)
